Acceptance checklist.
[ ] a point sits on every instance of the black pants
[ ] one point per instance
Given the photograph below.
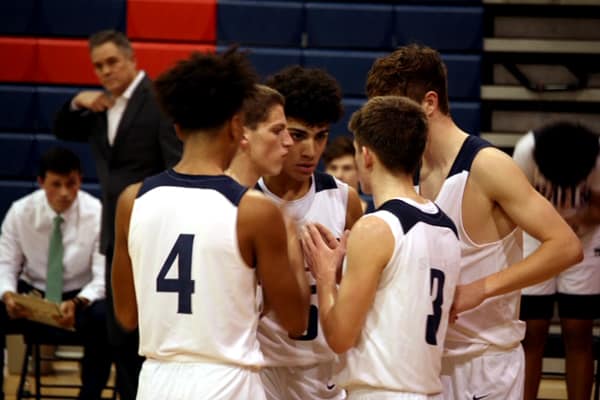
(90, 329)
(124, 344)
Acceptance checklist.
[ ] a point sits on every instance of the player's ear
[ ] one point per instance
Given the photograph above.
(245, 139)
(367, 157)
(430, 102)
(178, 132)
(236, 125)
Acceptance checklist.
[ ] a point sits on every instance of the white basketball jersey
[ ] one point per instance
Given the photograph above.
(196, 296)
(401, 344)
(566, 202)
(495, 322)
(326, 202)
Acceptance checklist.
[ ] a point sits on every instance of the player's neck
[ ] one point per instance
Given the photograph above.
(386, 186)
(203, 157)
(243, 170)
(443, 142)
(287, 188)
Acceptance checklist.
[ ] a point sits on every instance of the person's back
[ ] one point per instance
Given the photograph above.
(191, 246)
(411, 306)
(489, 200)
(179, 221)
(388, 317)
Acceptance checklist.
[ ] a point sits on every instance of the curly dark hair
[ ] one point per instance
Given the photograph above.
(410, 71)
(394, 128)
(311, 94)
(565, 152)
(205, 90)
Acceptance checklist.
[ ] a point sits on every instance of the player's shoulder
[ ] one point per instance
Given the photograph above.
(371, 228)
(255, 205)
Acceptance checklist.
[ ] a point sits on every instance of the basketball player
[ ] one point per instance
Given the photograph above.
(562, 161)
(487, 196)
(390, 312)
(266, 139)
(299, 367)
(191, 241)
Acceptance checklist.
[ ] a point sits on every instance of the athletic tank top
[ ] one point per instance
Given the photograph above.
(401, 344)
(196, 296)
(495, 322)
(325, 202)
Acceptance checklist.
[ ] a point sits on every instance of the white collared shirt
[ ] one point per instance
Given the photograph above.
(115, 113)
(25, 237)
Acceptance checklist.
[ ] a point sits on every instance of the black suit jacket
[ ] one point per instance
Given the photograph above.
(145, 144)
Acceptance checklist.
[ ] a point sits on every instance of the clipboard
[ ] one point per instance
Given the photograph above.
(42, 310)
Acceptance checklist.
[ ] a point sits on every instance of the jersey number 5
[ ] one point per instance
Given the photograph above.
(183, 285)
(433, 320)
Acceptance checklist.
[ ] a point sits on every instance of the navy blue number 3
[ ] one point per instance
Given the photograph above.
(433, 320)
(183, 285)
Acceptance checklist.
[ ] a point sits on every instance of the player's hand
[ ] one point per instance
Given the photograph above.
(467, 297)
(94, 100)
(339, 245)
(67, 314)
(322, 259)
(14, 310)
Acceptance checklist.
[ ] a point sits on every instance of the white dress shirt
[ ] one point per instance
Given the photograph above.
(115, 113)
(25, 238)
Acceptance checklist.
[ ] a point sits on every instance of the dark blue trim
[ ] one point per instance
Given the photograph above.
(409, 216)
(467, 153)
(223, 184)
(324, 181)
(464, 158)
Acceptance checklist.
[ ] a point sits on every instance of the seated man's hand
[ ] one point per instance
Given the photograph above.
(67, 311)
(14, 310)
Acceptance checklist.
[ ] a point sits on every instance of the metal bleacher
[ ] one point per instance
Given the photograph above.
(541, 62)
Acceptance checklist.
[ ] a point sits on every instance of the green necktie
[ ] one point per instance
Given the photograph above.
(54, 278)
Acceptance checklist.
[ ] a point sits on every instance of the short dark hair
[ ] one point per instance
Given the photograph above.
(258, 106)
(205, 90)
(394, 128)
(59, 160)
(117, 38)
(565, 152)
(311, 94)
(339, 147)
(410, 71)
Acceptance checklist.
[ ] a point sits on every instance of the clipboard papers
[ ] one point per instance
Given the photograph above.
(42, 311)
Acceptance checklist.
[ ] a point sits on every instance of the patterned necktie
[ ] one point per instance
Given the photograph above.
(54, 278)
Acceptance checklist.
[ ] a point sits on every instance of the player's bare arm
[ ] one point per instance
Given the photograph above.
(125, 303)
(263, 243)
(509, 192)
(354, 209)
(343, 311)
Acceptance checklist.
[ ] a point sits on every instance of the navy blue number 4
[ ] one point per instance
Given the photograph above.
(433, 320)
(183, 285)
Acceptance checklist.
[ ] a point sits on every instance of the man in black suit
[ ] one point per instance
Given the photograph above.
(131, 139)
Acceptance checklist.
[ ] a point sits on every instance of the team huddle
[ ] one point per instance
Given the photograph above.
(251, 275)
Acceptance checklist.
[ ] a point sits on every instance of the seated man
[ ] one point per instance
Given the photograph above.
(49, 245)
